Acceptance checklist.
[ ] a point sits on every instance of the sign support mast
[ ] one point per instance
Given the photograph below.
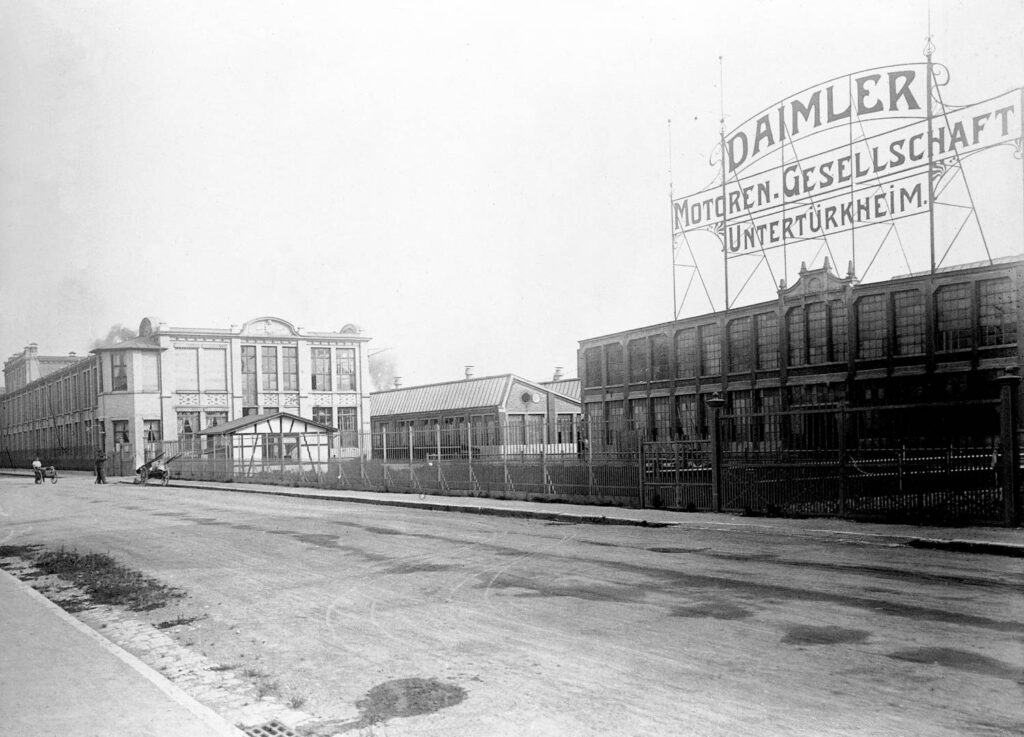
(930, 76)
(672, 227)
(725, 201)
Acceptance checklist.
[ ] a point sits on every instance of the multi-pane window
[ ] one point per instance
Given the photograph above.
(323, 416)
(268, 368)
(120, 428)
(638, 416)
(687, 417)
(119, 371)
(908, 316)
(151, 431)
(795, 329)
(615, 426)
(997, 312)
(592, 358)
(767, 340)
(840, 340)
(595, 420)
(347, 427)
(686, 353)
(953, 317)
(249, 374)
(614, 357)
(345, 366)
(817, 333)
(661, 412)
(321, 369)
(188, 423)
(710, 350)
(213, 419)
(290, 368)
(639, 369)
(660, 369)
(871, 326)
(739, 344)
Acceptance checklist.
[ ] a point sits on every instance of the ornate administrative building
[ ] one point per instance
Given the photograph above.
(170, 384)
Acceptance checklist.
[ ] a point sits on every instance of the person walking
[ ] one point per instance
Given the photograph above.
(37, 469)
(101, 471)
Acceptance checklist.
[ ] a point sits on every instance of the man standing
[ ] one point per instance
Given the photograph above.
(101, 472)
(37, 469)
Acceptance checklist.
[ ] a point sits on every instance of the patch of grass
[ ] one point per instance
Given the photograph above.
(267, 687)
(296, 701)
(25, 552)
(253, 673)
(106, 581)
(223, 667)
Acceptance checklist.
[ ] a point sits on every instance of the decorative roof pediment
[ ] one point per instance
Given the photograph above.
(268, 326)
(814, 282)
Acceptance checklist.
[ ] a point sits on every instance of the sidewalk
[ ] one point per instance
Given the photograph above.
(986, 540)
(59, 677)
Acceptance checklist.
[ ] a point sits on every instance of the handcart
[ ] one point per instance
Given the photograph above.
(156, 469)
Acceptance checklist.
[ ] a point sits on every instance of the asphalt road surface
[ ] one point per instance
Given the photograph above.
(524, 627)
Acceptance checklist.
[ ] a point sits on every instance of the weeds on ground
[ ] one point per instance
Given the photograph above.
(106, 581)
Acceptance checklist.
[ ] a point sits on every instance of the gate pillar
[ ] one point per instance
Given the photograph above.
(715, 405)
(1009, 471)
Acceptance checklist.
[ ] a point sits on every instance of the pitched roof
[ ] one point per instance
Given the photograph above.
(486, 391)
(229, 427)
(462, 394)
(137, 343)
(568, 387)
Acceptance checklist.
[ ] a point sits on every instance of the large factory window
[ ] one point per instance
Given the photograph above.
(710, 350)
(639, 361)
(686, 353)
(871, 326)
(796, 330)
(817, 333)
(739, 344)
(660, 369)
(908, 314)
(997, 312)
(592, 374)
(767, 340)
(953, 317)
(616, 371)
(837, 319)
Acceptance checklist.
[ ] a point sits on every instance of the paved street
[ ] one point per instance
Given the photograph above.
(525, 627)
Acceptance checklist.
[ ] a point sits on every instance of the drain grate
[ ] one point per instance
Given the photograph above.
(270, 729)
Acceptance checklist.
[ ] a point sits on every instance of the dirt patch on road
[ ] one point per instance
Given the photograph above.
(961, 660)
(713, 610)
(807, 635)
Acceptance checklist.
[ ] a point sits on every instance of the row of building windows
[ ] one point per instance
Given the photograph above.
(817, 333)
(268, 374)
(73, 392)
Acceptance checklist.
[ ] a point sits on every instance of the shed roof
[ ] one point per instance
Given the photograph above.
(485, 391)
(229, 427)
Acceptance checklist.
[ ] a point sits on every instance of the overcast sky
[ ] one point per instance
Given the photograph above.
(472, 183)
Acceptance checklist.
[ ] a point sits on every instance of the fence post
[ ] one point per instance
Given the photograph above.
(715, 404)
(437, 435)
(844, 471)
(1009, 385)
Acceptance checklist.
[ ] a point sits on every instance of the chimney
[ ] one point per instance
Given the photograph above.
(558, 374)
(469, 372)
(398, 382)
